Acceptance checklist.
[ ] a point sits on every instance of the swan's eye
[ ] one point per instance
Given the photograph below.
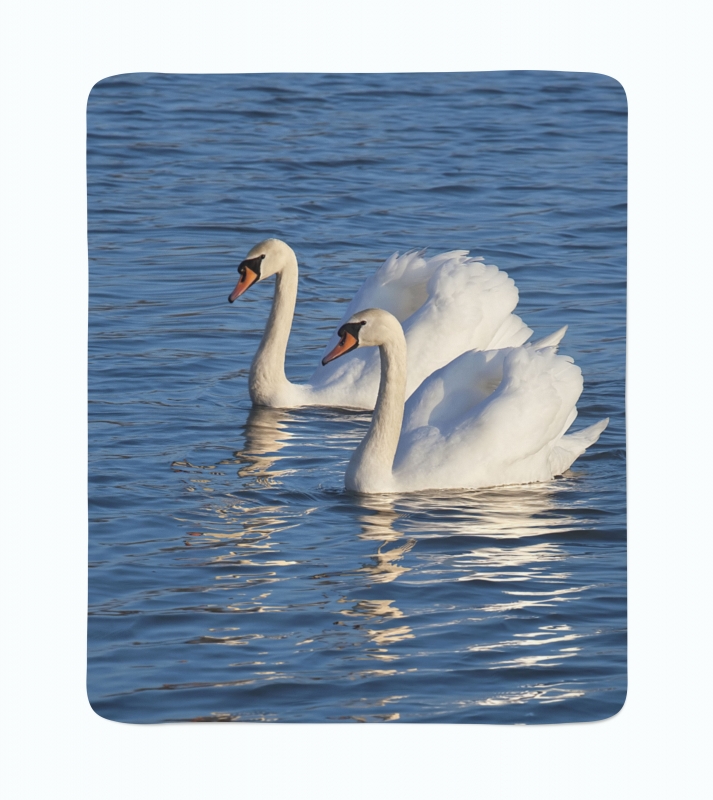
(363, 322)
(253, 264)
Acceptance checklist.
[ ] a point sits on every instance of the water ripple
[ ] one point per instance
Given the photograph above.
(231, 578)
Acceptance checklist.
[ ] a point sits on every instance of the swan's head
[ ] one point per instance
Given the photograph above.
(265, 259)
(370, 328)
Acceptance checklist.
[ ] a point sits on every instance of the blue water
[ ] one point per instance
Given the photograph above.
(231, 577)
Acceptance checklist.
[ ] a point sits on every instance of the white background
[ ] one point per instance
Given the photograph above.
(54, 745)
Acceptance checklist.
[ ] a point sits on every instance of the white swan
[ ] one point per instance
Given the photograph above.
(488, 418)
(448, 304)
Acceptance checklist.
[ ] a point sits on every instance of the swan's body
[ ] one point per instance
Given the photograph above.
(447, 304)
(488, 418)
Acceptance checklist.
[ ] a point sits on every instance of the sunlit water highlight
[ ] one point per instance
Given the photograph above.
(231, 577)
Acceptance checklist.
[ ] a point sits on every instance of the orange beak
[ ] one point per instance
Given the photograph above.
(247, 278)
(346, 343)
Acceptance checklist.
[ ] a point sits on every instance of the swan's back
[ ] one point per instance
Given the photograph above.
(399, 285)
(447, 304)
(469, 306)
(492, 418)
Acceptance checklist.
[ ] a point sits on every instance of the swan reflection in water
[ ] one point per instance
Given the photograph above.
(236, 516)
(378, 516)
(528, 574)
(500, 541)
(511, 513)
(266, 433)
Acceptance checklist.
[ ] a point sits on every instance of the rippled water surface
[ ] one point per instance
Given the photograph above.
(231, 577)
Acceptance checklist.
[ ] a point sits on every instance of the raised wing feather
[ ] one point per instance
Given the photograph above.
(468, 304)
(458, 387)
(447, 304)
(470, 440)
(452, 392)
(399, 285)
(570, 447)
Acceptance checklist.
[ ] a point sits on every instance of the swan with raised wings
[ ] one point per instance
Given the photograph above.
(448, 304)
(487, 418)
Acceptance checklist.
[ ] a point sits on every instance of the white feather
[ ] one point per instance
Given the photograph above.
(487, 418)
(448, 304)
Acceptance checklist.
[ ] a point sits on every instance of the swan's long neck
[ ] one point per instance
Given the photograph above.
(370, 469)
(267, 372)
